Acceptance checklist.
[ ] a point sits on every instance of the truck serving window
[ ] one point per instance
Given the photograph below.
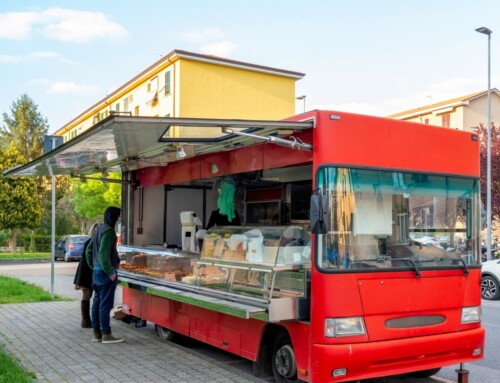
(394, 220)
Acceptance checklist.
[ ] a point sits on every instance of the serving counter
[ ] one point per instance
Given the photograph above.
(249, 272)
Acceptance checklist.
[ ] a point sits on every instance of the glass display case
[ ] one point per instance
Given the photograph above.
(266, 267)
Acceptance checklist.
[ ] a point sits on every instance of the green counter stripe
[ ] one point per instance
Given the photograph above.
(214, 306)
(260, 316)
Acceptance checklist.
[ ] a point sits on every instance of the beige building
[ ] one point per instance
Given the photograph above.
(187, 84)
(463, 113)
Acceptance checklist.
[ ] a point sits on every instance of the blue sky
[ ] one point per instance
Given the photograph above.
(373, 57)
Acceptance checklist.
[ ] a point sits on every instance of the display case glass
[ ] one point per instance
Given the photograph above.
(253, 264)
(266, 245)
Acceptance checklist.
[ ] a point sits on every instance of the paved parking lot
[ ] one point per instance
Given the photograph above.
(48, 340)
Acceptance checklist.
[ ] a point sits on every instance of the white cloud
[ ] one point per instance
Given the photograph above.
(9, 59)
(60, 24)
(203, 35)
(61, 87)
(34, 56)
(223, 48)
(16, 25)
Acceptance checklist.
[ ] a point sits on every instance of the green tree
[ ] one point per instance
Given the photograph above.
(92, 197)
(495, 167)
(24, 128)
(19, 201)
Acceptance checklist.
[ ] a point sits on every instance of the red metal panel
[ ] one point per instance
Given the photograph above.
(180, 319)
(157, 310)
(247, 159)
(132, 301)
(410, 294)
(175, 172)
(276, 156)
(378, 142)
(394, 357)
(232, 161)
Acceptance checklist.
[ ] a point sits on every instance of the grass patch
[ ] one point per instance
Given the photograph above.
(24, 255)
(13, 290)
(11, 371)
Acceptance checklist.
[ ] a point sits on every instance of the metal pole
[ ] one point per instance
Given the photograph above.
(53, 229)
(488, 160)
(488, 32)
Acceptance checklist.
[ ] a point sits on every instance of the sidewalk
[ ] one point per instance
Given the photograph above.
(48, 341)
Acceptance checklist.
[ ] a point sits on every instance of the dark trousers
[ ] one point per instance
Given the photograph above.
(104, 299)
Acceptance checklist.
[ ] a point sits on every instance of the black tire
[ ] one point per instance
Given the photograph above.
(164, 333)
(425, 373)
(490, 289)
(283, 361)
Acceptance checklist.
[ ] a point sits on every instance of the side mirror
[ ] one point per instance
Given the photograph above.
(319, 215)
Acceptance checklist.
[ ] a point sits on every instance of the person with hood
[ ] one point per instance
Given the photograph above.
(83, 281)
(103, 259)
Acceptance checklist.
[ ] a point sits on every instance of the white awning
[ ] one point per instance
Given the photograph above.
(124, 143)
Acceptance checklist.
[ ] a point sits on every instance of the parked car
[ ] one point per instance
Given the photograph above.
(490, 279)
(70, 247)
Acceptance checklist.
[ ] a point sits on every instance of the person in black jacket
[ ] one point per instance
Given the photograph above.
(83, 281)
(102, 257)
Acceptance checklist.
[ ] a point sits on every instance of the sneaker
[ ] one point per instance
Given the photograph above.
(96, 336)
(108, 338)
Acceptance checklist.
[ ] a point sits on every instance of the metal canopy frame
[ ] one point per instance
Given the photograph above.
(125, 143)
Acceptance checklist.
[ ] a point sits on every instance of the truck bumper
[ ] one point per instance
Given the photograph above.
(394, 357)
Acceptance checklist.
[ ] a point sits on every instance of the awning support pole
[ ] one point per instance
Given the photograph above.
(292, 143)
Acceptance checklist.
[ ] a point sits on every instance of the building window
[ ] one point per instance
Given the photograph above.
(426, 121)
(445, 120)
(153, 85)
(136, 110)
(126, 103)
(167, 83)
(117, 107)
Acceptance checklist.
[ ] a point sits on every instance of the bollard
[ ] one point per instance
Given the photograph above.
(463, 375)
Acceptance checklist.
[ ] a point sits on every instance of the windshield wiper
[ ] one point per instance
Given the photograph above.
(417, 271)
(466, 269)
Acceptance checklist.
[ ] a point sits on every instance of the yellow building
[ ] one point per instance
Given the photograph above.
(463, 113)
(186, 84)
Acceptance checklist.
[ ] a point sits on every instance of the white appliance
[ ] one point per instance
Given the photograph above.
(189, 221)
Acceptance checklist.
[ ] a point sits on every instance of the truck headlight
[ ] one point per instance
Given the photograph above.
(336, 327)
(471, 315)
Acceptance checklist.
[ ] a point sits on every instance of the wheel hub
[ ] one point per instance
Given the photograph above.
(489, 288)
(285, 362)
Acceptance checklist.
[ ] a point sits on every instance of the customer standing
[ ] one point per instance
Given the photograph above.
(83, 280)
(103, 258)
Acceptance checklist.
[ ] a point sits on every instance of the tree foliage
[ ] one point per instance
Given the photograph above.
(495, 167)
(24, 128)
(92, 197)
(19, 201)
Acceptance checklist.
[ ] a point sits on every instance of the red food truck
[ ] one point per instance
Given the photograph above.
(349, 248)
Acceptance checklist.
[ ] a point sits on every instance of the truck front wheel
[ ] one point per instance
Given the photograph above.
(164, 333)
(283, 360)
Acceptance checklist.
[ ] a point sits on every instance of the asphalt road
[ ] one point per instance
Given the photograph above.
(484, 371)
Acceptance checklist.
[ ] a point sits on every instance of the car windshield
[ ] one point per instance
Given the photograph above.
(81, 239)
(393, 220)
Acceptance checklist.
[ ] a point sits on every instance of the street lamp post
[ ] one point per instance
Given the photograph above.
(488, 32)
(303, 98)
